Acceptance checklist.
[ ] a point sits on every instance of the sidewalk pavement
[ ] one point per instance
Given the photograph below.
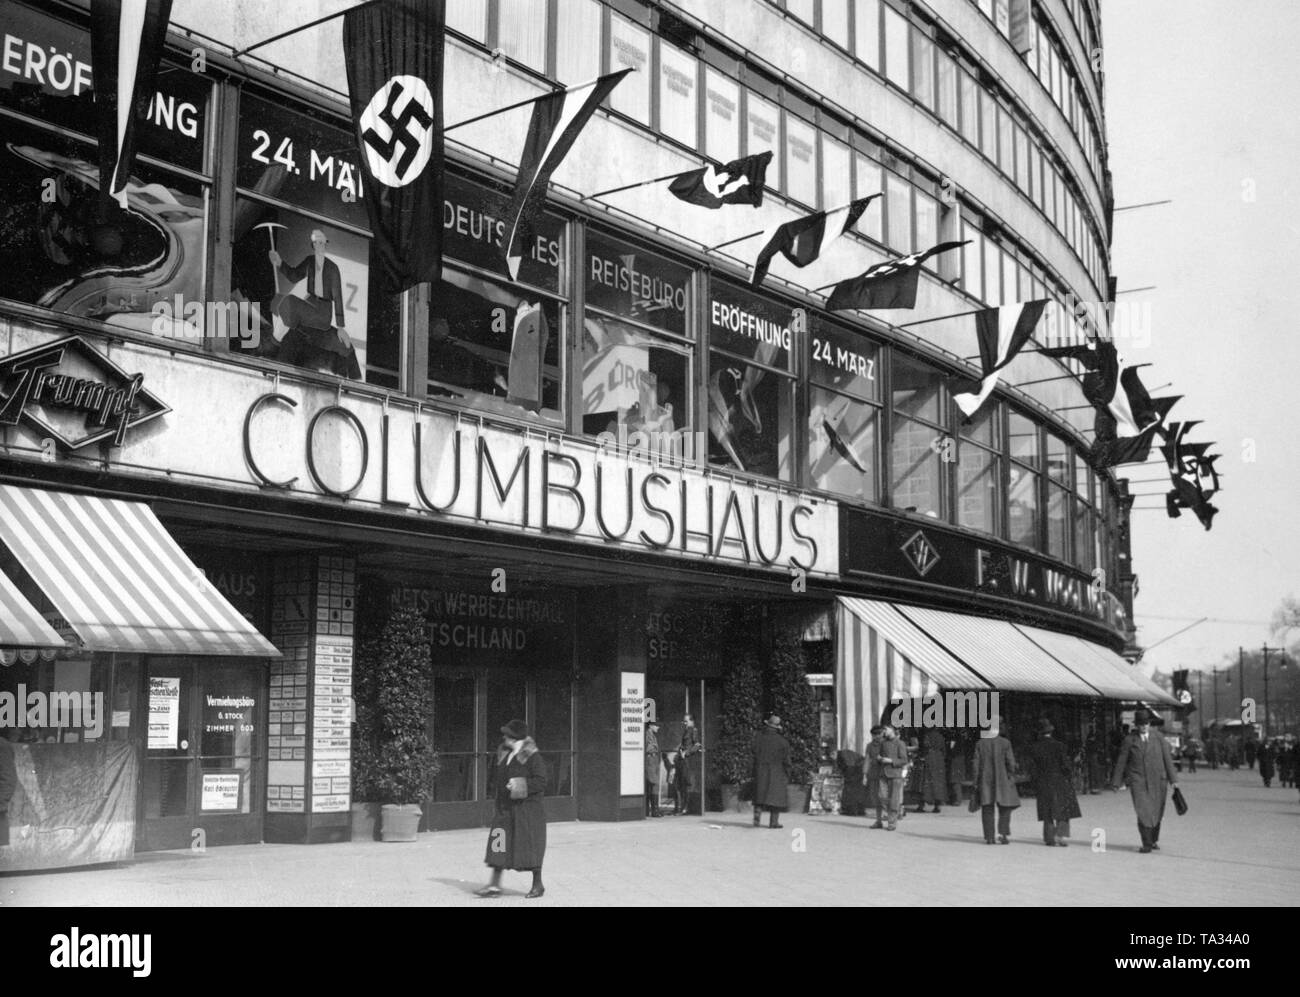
(1236, 846)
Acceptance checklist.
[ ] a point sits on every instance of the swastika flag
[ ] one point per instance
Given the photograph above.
(394, 56)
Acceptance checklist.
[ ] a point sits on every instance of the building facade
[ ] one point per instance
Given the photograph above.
(684, 465)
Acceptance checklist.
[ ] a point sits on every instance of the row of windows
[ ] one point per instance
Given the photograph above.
(907, 55)
(1047, 60)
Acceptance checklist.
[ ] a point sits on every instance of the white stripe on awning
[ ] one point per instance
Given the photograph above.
(116, 575)
(999, 652)
(20, 623)
(1077, 655)
(881, 658)
(1151, 693)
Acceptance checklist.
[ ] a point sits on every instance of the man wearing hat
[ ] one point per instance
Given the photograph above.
(517, 838)
(1146, 765)
(652, 769)
(1054, 782)
(995, 782)
(771, 772)
(892, 760)
(315, 323)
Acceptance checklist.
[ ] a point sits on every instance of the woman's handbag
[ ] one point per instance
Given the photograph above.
(518, 787)
(1180, 804)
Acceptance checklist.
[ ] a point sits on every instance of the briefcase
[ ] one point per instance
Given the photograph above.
(1180, 804)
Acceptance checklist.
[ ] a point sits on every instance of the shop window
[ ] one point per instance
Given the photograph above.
(922, 69)
(751, 390)
(898, 212)
(629, 46)
(947, 100)
(977, 489)
(835, 21)
(762, 123)
(452, 734)
(917, 444)
(469, 17)
(1022, 506)
(844, 414)
(837, 176)
(1058, 521)
(521, 31)
(1024, 442)
(678, 101)
(577, 41)
(552, 723)
(897, 49)
(1083, 536)
(637, 358)
(866, 32)
(721, 116)
(801, 160)
(867, 179)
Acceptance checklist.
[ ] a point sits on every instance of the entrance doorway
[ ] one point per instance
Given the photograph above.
(673, 700)
(469, 708)
(201, 735)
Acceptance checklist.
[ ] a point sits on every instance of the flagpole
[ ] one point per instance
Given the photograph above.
(739, 238)
(529, 100)
(1044, 380)
(823, 211)
(303, 27)
(633, 186)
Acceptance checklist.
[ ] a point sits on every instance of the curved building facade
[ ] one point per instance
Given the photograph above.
(681, 472)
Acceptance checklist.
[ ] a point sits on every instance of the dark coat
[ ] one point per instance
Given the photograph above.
(651, 757)
(688, 760)
(853, 798)
(994, 775)
(1148, 769)
(333, 290)
(1053, 779)
(8, 784)
(771, 769)
(1266, 766)
(936, 776)
(517, 838)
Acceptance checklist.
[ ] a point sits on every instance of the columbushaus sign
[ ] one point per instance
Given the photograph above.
(437, 464)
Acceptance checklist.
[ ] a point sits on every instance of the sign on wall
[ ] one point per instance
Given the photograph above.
(632, 719)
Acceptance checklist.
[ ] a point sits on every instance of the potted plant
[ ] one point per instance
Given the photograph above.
(405, 763)
(742, 694)
(793, 701)
(365, 742)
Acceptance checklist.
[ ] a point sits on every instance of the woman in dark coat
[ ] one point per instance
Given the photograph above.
(853, 798)
(1267, 768)
(1054, 780)
(517, 838)
(771, 772)
(934, 783)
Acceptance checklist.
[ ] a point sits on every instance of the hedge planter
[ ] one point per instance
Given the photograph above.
(365, 822)
(399, 821)
(798, 798)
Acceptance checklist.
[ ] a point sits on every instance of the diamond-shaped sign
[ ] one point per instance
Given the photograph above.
(70, 393)
(920, 553)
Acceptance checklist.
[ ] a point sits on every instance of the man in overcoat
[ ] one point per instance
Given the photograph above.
(1054, 780)
(771, 772)
(995, 782)
(934, 785)
(1146, 765)
(517, 838)
(652, 761)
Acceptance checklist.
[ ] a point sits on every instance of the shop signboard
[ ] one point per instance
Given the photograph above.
(220, 792)
(164, 712)
(632, 720)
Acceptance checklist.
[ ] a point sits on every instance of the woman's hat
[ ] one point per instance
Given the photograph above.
(774, 722)
(516, 729)
(1045, 726)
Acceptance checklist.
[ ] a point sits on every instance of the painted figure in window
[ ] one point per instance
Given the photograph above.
(315, 335)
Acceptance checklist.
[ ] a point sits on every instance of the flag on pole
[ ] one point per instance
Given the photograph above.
(1114, 450)
(891, 284)
(557, 120)
(1187, 461)
(126, 42)
(738, 182)
(1001, 333)
(394, 55)
(804, 240)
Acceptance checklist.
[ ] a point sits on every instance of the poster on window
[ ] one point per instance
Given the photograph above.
(164, 711)
(632, 734)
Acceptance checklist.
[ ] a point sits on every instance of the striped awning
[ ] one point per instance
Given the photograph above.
(20, 624)
(118, 578)
(1079, 656)
(882, 658)
(999, 652)
(1151, 693)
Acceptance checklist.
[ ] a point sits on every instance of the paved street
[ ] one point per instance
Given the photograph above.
(1237, 846)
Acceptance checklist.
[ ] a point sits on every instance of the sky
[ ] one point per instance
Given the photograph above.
(1203, 109)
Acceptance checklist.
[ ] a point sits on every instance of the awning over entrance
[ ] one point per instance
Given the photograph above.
(1088, 662)
(1152, 693)
(118, 578)
(883, 657)
(20, 624)
(999, 652)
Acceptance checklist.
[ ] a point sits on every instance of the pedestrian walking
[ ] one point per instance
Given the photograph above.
(1049, 763)
(995, 782)
(871, 773)
(934, 777)
(853, 798)
(517, 837)
(652, 762)
(958, 767)
(1267, 756)
(1192, 751)
(1286, 765)
(893, 776)
(771, 772)
(1146, 765)
(1252, 752)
